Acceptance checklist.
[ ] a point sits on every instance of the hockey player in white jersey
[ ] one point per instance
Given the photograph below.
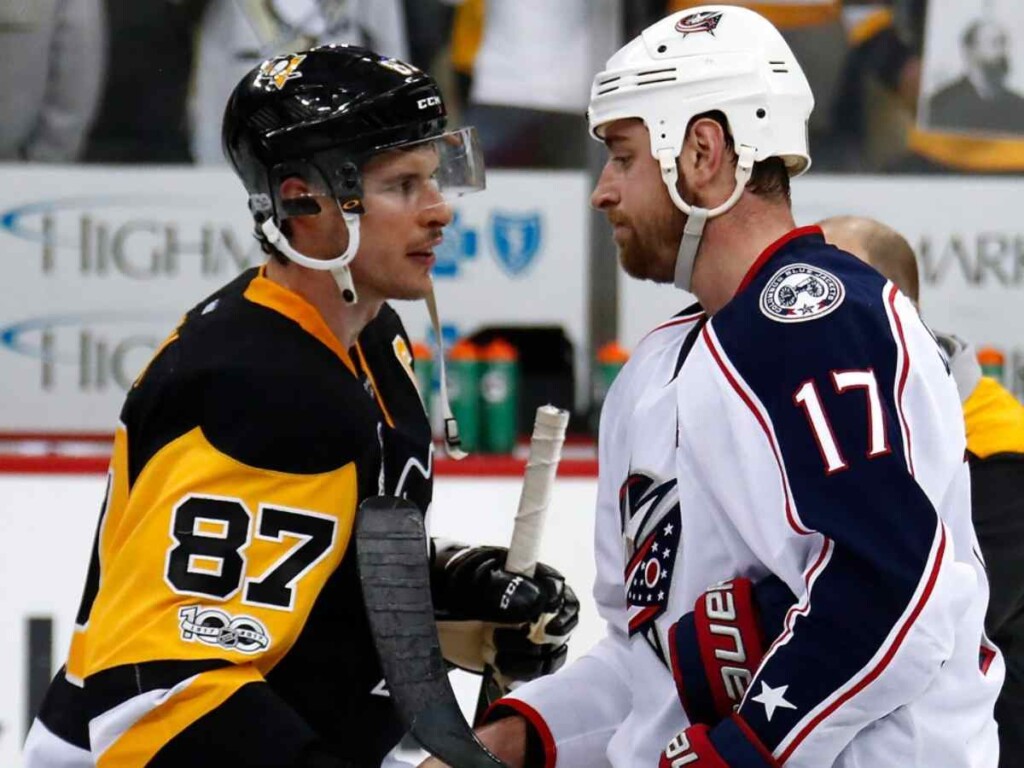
(800, 424)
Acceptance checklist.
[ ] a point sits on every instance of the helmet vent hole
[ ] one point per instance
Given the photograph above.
(608, 82)
(779, 66)
(653, 76)
(662, 48)
(661, 71)
(761, 114)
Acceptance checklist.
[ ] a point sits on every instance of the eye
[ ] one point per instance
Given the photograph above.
(621, 161)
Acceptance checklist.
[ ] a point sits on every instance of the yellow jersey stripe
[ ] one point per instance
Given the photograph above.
(207, 691)
(376, 391)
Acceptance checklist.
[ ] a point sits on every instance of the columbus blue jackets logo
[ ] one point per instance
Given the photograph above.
(516, 240)
(800, 292)
(215, 627)
(649, 511)
(703, 21)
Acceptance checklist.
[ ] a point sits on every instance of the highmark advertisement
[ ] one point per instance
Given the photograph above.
(101, 263)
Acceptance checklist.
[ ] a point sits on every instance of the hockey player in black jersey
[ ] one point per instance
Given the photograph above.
(221, 621)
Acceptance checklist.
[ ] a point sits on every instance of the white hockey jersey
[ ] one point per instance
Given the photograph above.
(810, 429)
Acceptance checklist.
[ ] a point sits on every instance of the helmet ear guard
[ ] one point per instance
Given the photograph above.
(338, 265)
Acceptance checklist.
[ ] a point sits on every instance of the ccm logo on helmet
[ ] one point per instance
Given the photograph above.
(430, 101)
(720, 608)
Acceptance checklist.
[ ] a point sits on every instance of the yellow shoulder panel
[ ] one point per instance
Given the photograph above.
(211, 558)
(113, 509)
(995, 420)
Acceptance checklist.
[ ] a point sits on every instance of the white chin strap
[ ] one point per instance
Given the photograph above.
(337, 265)
(697, 217)
(452, 441)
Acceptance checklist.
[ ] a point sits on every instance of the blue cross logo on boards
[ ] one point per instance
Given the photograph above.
(516, 240)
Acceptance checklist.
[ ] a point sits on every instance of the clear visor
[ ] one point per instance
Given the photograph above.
(461, 163)
(426, 173)
(417, 175)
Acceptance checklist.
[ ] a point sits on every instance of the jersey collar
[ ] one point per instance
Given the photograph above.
(773, 249)
(265, 292)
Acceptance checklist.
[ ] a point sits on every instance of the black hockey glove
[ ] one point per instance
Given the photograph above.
(488, 616)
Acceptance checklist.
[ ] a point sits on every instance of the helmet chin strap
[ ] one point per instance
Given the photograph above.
(452, 442)
(337, 265)
(698, 217)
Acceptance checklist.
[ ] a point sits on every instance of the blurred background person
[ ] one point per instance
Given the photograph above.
(235, 35)
(995, 451)
(530, 76)
(142, 116)
(51, 71)
(877, 92)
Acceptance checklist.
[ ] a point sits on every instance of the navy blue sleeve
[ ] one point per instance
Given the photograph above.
(882, 536)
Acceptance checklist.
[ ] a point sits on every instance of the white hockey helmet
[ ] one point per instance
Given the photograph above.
(713, 57)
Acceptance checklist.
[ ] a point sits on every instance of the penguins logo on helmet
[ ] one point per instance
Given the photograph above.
(703, 21)
(280, 70)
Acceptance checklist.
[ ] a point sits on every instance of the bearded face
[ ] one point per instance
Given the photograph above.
(647, 225)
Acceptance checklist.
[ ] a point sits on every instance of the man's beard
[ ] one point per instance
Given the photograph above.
(651, 255)
(639, 262)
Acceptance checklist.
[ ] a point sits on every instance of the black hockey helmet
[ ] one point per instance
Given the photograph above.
(321, 113)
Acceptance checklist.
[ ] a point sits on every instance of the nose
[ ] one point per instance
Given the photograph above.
(437, 215)
(437, 211)
(604, 195)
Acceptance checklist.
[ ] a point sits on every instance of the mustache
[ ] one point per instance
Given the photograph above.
(436, 238)
(616, 219)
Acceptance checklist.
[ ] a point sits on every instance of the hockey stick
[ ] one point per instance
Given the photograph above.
(391, 552)
(539, 478)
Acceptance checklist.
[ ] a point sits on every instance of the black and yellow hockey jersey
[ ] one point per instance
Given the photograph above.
(222, 556)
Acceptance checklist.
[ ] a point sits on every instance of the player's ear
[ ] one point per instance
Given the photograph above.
(705, 151)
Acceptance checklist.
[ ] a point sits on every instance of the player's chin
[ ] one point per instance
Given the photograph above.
(642, 265)
(412, 289)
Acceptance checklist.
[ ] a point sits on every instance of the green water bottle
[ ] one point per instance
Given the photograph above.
(463, 368)
(499, 393)
(610, 359)
(993, 363)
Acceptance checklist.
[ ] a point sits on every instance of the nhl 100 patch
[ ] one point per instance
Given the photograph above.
(215, 627)
(800, 292)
